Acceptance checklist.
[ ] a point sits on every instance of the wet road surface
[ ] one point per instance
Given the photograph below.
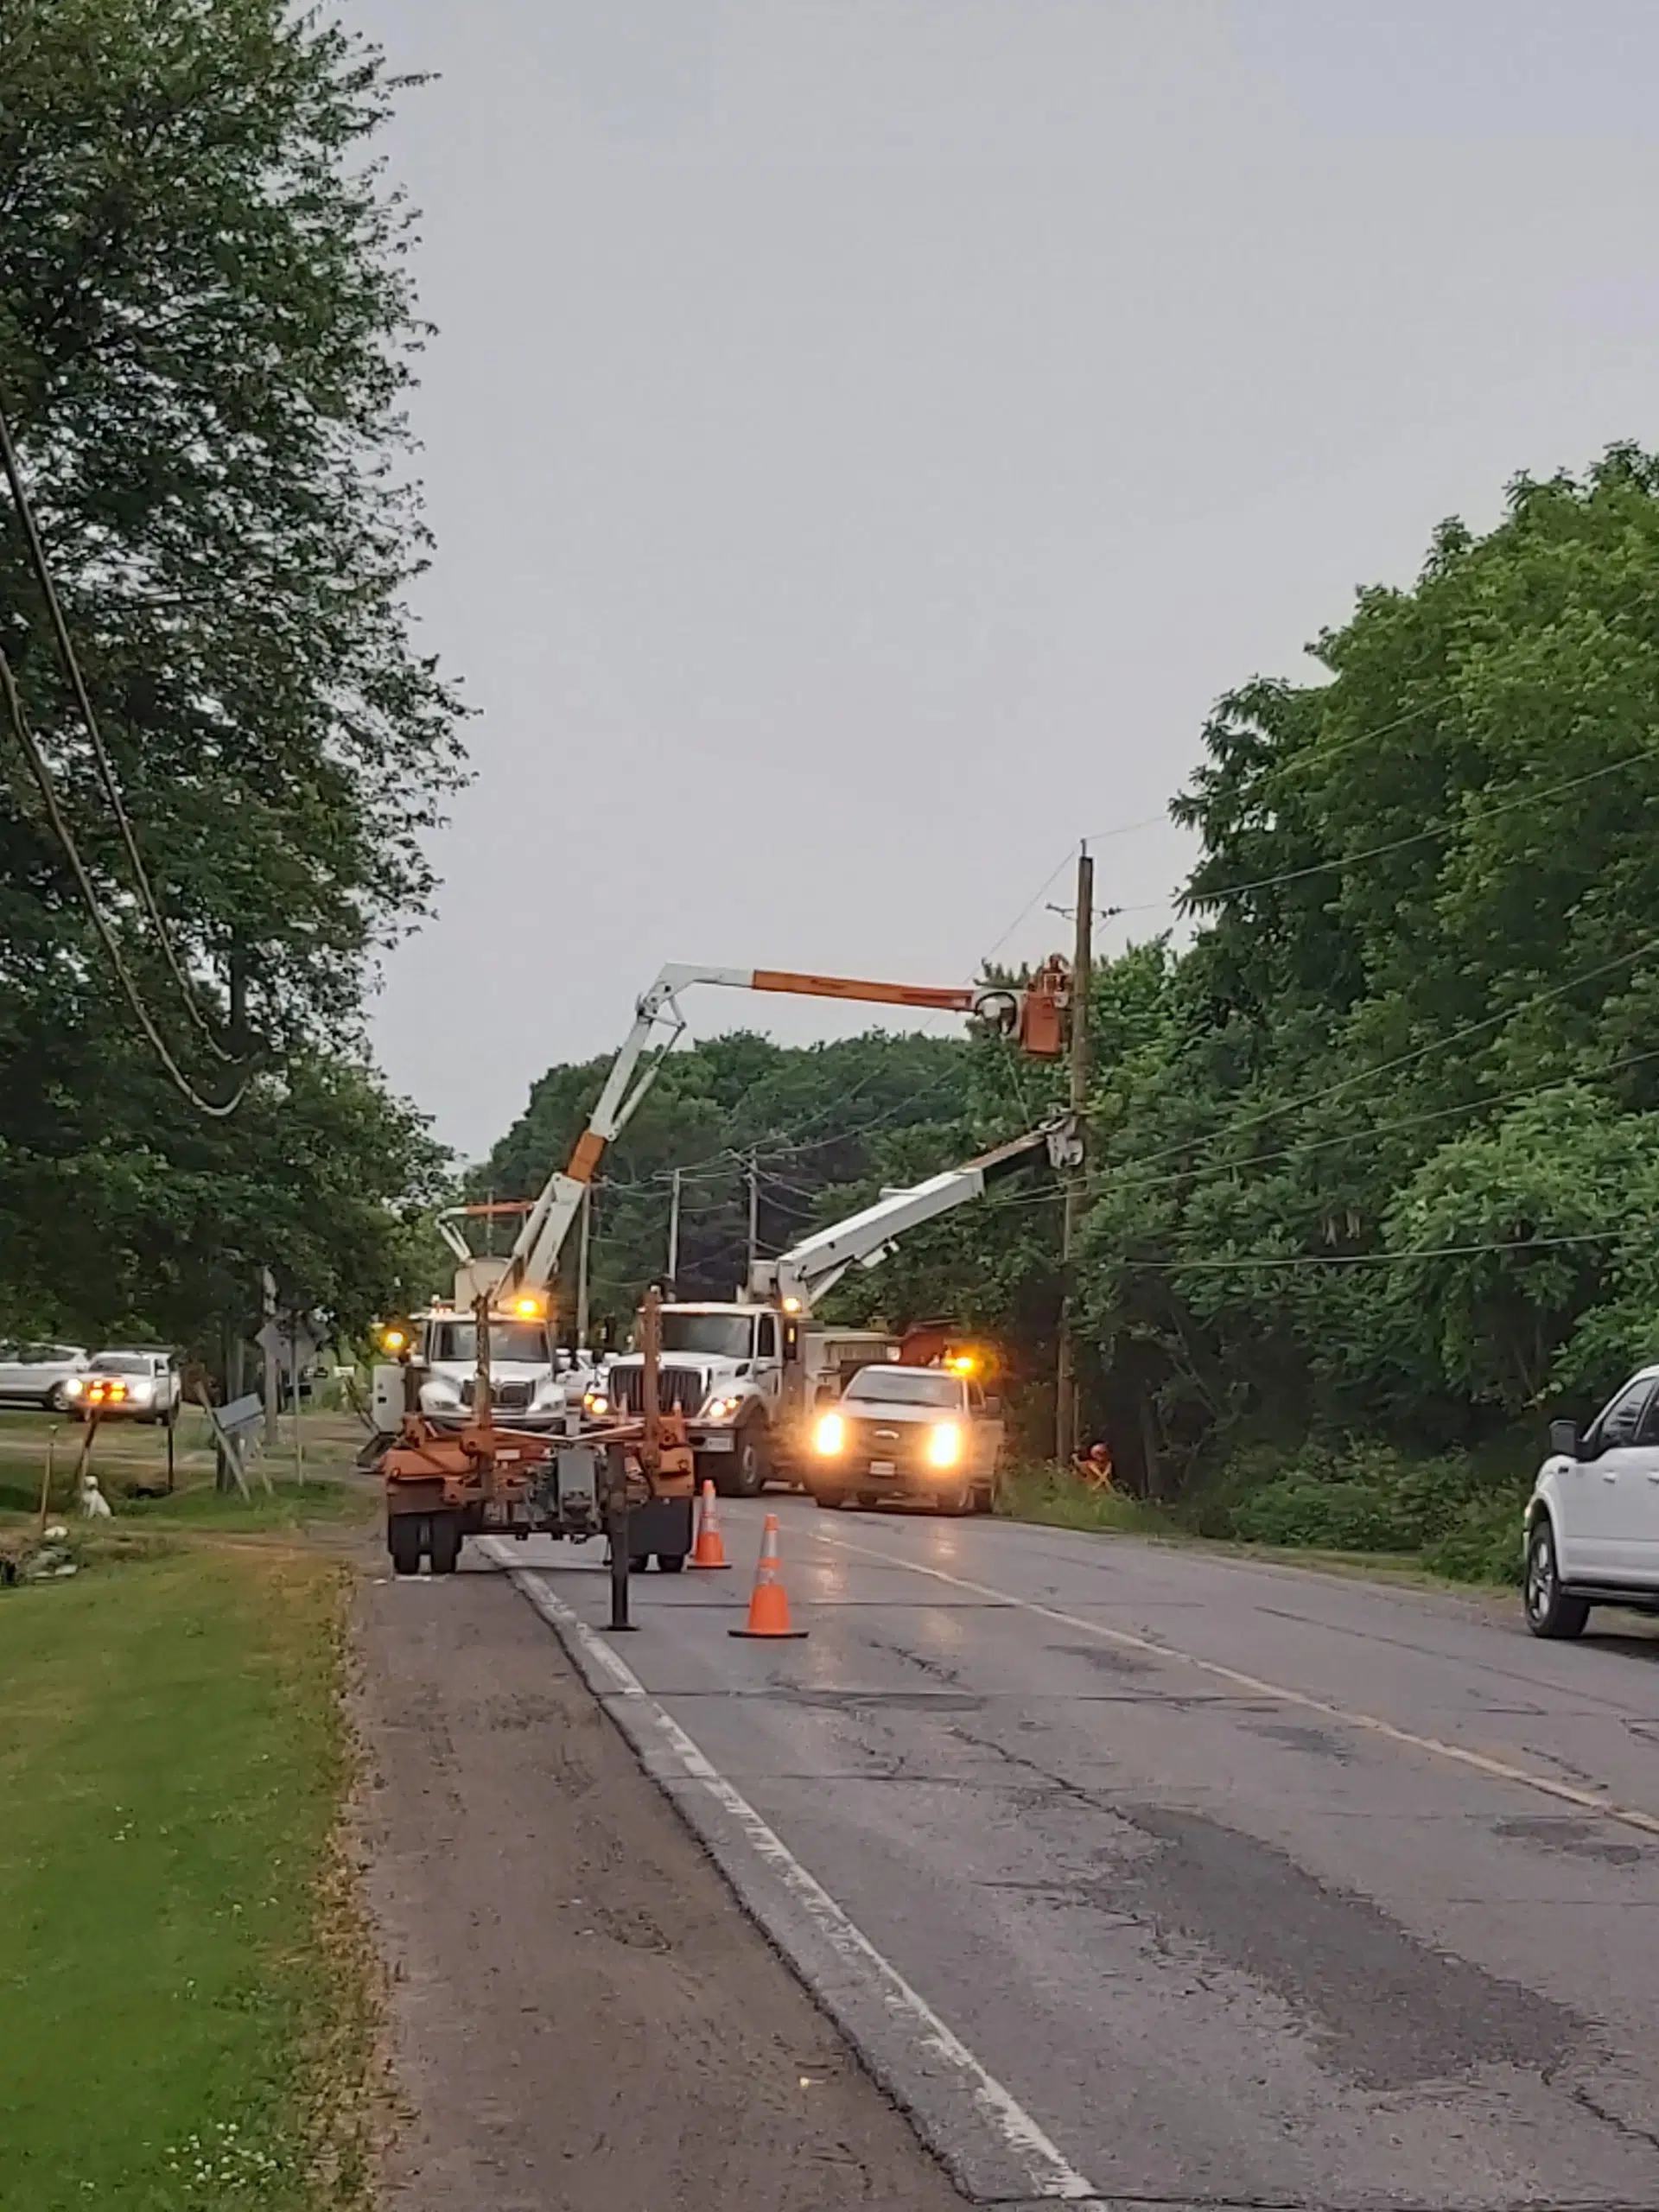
(1250, 1886)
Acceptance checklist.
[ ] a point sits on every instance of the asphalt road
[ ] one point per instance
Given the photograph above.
(1147, 1875)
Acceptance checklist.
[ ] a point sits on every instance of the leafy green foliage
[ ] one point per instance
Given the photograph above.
(205, 332)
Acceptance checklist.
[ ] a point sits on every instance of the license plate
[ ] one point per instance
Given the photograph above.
(884, 1467)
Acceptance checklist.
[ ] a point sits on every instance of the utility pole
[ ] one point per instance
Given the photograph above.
(581, 1269)
(674, 1238)
(273, 1352)
(754, 1216)
(1065, 1381)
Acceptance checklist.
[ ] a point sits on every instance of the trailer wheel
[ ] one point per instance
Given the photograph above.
(671, 1562)
(444, 1546)
(637, 1562)
(405, 1541)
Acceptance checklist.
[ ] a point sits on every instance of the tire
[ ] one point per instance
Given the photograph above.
(830, 1500)
(637, 1562)
(671, 1562)
(54, 1401)
(956, 1501)
(984, 1499)
(1550, 1611)
(751, 1468)
(405, 1540)
(444, 1546)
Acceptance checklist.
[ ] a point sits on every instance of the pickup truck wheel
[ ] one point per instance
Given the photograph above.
(956, 1501)
(443, 1548)
(405, 1541)
(751, 1461)
(637, 1562)
(671, 1562)
(830, 1500)
(1550, 1612)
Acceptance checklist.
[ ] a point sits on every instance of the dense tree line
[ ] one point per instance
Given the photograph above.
(205, 333)
(1375, 1153)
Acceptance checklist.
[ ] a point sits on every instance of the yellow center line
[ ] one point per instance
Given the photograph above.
(1496, 1770)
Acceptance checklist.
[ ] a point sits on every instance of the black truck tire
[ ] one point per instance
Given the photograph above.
(406, 1541)
(444, 1546)
(751, 1464)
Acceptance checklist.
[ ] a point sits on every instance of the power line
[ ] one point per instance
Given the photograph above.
(1195, 898)
(37, 560)
(1408, 1060)
(89, 895)
(1374, 1259)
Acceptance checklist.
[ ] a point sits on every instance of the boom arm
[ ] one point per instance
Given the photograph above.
(812, 1269)
(1032, 1014)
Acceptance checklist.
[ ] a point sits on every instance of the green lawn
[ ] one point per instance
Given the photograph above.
(180, 2004)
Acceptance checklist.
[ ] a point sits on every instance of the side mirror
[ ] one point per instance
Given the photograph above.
(1564, 1439)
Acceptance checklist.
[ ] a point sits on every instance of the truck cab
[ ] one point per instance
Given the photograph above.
(527, 1371)
(749, 1378)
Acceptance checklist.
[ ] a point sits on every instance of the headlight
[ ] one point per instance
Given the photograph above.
(141, 1389)
(442, 1391)
(829, 1435)
(596, 1403)
(720, 1408)
(74, 1387)
(944, 1444)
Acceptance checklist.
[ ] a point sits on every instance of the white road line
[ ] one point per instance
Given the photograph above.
(932, 2044)
(1482, 1763)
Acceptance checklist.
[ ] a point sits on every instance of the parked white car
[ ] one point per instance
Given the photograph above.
(128, 1386)
(39, 1375)
(1593, 1521)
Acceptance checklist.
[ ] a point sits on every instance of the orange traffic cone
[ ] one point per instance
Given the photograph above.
(709, 1550)
(768, 1600)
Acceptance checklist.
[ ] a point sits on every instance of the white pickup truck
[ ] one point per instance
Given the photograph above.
(925, 1434)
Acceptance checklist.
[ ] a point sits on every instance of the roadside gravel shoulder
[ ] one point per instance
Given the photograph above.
(581, 2014)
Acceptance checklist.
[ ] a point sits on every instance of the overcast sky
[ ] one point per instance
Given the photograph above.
(863, 437)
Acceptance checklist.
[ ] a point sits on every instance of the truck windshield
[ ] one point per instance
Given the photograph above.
(455, 1344)
(904, 1386)
(722, 1336)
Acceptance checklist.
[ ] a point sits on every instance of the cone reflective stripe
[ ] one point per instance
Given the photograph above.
(709, 1549)
(768, 1600)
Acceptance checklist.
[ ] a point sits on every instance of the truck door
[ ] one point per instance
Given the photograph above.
(986, 1429)
(1605, 1490)
(768, 1359)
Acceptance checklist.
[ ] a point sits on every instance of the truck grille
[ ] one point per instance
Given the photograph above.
(679, 1390)
(514, 1396)
(884, 1439)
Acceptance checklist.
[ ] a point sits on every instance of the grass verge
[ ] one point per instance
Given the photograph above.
(1480, 1543)
(185, 2010)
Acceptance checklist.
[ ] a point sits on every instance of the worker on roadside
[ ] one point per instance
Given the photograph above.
(1094, 1466)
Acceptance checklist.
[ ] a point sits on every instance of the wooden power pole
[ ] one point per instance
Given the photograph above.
(674, 1238)
(582, 1247)
(1082, 960)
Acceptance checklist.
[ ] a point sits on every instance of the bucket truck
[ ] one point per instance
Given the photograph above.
(480, 1464)
(749, 1377)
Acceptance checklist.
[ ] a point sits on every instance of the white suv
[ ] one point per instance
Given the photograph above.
(1593, 1521)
